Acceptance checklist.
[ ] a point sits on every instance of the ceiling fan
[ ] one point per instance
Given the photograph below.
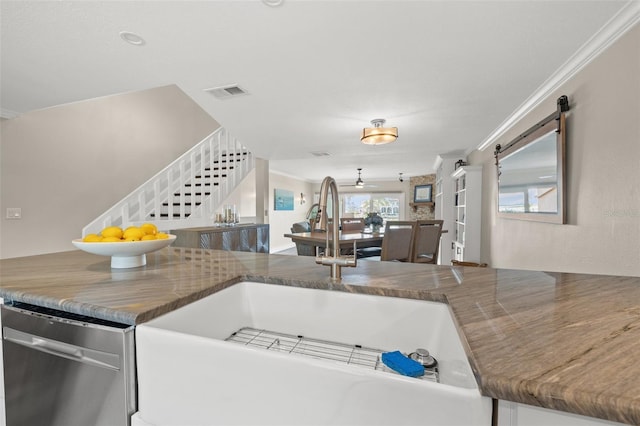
(359, 182)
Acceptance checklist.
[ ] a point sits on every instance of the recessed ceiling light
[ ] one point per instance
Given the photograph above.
(132, 38)
(273, 3)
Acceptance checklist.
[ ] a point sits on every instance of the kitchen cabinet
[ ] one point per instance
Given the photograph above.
(515, 414)
(250, 237)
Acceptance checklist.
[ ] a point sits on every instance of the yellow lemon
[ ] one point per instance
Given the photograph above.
(112, 231)
(133, 233)
(110, 240)
(92, 238)
(149, 228)
(161, 236)
(148, 237)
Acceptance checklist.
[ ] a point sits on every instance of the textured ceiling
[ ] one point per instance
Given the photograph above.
(446, 73)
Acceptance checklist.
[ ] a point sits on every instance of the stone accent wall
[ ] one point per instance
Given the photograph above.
(421, 212)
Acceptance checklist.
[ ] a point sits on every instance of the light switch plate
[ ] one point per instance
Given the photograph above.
(14, 213)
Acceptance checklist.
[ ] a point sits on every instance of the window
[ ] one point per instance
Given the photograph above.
(387, 205)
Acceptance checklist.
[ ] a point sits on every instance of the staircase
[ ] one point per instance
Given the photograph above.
(187, 192)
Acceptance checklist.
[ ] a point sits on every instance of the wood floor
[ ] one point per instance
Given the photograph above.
(290, 251)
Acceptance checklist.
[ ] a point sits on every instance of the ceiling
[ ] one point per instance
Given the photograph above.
(446, 73)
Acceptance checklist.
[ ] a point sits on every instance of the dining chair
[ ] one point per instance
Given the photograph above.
(397, 243)
(301, 248)
(356, 224)
(352, 224)
(426, 241)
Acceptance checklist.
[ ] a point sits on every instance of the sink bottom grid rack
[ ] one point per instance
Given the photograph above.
(319, 349)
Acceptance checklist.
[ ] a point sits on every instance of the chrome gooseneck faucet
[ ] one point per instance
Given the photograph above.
(336, 261)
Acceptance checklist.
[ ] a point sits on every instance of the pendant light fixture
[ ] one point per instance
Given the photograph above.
(378, 134)
(359, 182)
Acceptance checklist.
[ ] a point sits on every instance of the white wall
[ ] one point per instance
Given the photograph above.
(244, 198)
(280, 221)
(603, 165)
(64, 166)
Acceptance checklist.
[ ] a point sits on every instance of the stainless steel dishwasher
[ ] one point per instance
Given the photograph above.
(62, 369)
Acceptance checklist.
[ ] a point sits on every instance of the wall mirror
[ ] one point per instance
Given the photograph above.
(531, 171)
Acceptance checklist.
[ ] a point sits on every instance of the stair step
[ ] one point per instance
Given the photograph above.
(197, 203)
(235, 155)
(210, 176)
(224, 154)
(190, 194)
(233, 160)
(185, 199)
(175, 215)
(188, 185)
(215, 168)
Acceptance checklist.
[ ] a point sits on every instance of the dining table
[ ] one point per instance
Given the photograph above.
(317, 238)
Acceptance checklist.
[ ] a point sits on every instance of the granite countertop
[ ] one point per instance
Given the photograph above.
(562, 341)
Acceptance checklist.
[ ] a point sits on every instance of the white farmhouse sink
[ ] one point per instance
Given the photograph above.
(189, 375)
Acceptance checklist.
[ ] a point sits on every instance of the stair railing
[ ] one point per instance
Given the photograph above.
(212, 168)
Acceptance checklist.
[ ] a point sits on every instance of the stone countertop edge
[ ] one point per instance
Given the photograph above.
(529, 335)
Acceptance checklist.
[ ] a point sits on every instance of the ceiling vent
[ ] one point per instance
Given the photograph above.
(226, 92)
(320, 154)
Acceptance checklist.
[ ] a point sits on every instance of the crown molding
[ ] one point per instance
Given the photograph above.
(287, 175)
(615, 28)
(453, 155)
(8, 114)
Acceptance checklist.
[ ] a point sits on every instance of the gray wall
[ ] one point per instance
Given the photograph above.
(64, 166)
(603, 164)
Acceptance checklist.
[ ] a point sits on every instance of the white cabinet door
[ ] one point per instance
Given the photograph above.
(515, 414)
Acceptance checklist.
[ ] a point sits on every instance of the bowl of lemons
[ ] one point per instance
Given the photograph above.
(127, 247)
